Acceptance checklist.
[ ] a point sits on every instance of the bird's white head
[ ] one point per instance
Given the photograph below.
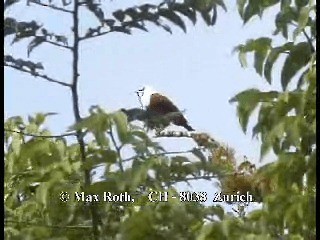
(144, 95)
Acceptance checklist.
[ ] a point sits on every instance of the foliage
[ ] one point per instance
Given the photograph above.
(39, 166)
(286, 124)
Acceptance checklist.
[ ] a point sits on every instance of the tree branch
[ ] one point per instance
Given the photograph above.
(45, 225)
(309, 40)
(307, 37)
(118, 149)
(35, 74)
(157, 154)
(93, 36)
(206, 177)
(75, 100)
(52, 7)
(41, 136)
(58, 45)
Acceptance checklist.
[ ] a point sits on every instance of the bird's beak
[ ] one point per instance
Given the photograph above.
(137, 93)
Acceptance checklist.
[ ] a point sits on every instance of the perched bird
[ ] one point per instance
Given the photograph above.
(159, 105)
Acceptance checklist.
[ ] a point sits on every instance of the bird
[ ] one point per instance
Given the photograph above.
(157, 104)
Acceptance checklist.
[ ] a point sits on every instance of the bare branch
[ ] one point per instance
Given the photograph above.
(97, 35)
(58, 45)
(208, 178)
(306, 36)
(96, 219)
(35, 74)
(157, 154)
(40, 136)
(52, 7)
(45, 225)
(309, 40)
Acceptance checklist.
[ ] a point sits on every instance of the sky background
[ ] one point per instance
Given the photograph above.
(197, 70)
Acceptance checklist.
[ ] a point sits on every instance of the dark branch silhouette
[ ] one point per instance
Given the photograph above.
(76, 110)
(51, 6)
(41, 136)
(36, 74)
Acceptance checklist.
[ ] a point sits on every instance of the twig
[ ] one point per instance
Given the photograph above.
(93, 36)
(208, 178)
(75, 100)
(307, 37)
(52, 7)
(41, 136)
(36, 74)
(156, 154)
(309, 40)
(45, 225)
(58, 45)
(118, 149)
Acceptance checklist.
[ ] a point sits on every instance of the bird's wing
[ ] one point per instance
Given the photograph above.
(161, 104)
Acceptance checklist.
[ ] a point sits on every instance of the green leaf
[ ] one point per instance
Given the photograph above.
(139, 175)
(247, 102)
(206, 17)
(173, 17)
(137, 25)
(260, 48)
(16, 145)
(35, 43)
(9, 3)
(243, 59)
(41, 117)
(240, 5)
(252, 8)
(186, 11)
(281, 25)
(97, 121)
(221, 4)
(298, 57)
(301, 3)
(260, 54)
(120, 29)
(119, 15)
(272, 57)
(302, 21)
(120, 120)
(105, 156)
(95, 9)
(101, 138)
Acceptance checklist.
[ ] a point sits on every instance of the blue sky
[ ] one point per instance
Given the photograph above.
(197, 70)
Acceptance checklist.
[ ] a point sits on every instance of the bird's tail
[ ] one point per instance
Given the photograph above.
(188, 127)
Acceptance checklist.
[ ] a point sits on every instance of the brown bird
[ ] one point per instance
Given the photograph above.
(156, 103)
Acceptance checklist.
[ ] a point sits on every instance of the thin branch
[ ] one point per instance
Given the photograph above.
(156, 155)
(118, 149)
(93, 36)
(35, 74)
(208, 178)
(41, 136)
(52, 7)
(58, 45)
(46, 225)
(306, 35)
(96, 220)
(309, 40)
